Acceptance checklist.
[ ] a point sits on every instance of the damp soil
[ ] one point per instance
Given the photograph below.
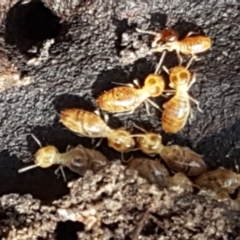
(87, 55)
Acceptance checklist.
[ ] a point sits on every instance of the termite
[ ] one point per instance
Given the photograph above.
(125, 99)
(78, 159)
(90, 125)
(177, 158)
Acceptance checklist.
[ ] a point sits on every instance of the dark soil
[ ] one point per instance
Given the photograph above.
(83, 61)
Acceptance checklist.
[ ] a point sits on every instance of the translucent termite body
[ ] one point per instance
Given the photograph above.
(156, 173)
(152, 170)
(177, 158)
(178, 108)
(219, 179)
(180, 180)
(222, 182)
(166, 35)
(167, 40)
(190, 45)
(90, 125)
(78, 159)
(125, 99)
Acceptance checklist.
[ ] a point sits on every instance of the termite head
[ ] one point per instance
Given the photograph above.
(121, 140)
(150, 143)
(169, 35)
(154, 85)
(46, 156)
(179, 76)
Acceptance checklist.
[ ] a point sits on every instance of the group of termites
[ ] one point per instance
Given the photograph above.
(182, 166)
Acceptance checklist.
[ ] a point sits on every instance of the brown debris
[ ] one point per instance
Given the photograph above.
(10, 76)
(44, 54)
(5, 6)
(114, 203)
(134, 47)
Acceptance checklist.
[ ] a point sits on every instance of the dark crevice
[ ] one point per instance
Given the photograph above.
(28, 24)
(68, 230)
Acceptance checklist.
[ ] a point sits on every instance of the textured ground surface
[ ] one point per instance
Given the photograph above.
(111, 205)
(82, 62)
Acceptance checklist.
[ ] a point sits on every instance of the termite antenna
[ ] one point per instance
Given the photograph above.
(24, 169)
(36, 140)
(98, 143)
(166, 69)
(190, 61)
(123, 84)
(138, 135)
(63, 174)
(158, 68)
(139, 128)
(146, 32)
(153, 104)
(123, 159)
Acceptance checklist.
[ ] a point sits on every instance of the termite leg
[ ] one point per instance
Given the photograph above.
(191, 116)
(180, 59)
(62, 171)
(193, 80)
(192, 33)
(197, 103)
(153, 104)
(158, 68)
(123, 84)
(98, 143)
(166, 69)
(136, 83)
(194, 57)
(146, 32)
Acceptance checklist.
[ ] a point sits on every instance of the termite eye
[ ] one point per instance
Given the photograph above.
(77, 163)
(121, 146)
(154, 139)
(155, 91)
(142, 140)
(184, 76)
(151, 81)
(174, 79)
(117, 146)
(169, 35)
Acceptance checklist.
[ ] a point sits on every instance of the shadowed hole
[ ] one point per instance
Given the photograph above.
(30, 23)
(68, 230)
